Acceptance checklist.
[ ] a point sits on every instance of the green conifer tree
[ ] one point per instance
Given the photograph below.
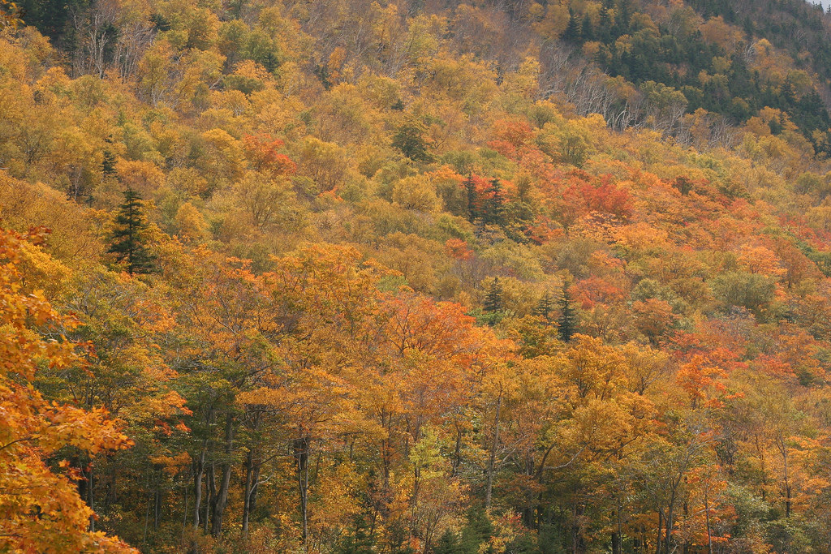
(493, 299)
(572, 31)
(129, 236)
(495, 205)
(545, 307)
(587, 29)
(447, 544)
(568, 316)
(358, 542)
(409, 139)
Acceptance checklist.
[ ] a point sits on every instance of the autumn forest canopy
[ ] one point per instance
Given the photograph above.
(415, 276)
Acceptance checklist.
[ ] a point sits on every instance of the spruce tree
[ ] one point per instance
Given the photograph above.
(587, 30)
(495, 204)
(572, 31)
(545, 307)
(409, 139)
(447, 544)
(604, 27)
(129, 235)
(568, 316)
(359, 542)
(108, 164)
(493, 299)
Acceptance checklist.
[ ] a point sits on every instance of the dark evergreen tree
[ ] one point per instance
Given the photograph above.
(129, 236)
(108, 164)
(568, 316)
(357, 541)
(587, 29)
(545, 307)
(476, 532)
(493, 299)
(448, 544)
(409, 139)
(604, 31)
(572, 32)
(494, 205)
(51, 17)
(623, 17)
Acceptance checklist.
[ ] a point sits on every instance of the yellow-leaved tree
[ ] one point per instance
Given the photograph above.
(40, 509)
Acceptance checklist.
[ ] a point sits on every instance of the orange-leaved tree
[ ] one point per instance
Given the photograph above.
(40, 510)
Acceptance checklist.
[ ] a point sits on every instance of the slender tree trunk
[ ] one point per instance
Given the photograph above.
(301, 454)
(709, 528)
(492, 460)
(222, 496)
(670, 523)
(660, 528)
(529, 508)
(252, 476)
(246, 502)
(91, 499)
(157, 503)
(457, 453)
(255, 486)
(198, 474)
(146, 513)
(211, 495)
(575, 529)
(185, 498)
(787, 482)
(617, 536)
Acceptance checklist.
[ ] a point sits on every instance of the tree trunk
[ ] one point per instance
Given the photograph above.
(198, 474)
(492, 460)
(252, 476)
(668, 535)
(784, 450)
(576, 539)
(91, 499)
(185, 499)
(301, 454)
(617, 536)
(157, 503)
(709, 527)
(221, 500)
(209, 505)
(457, 453)
(660, 527)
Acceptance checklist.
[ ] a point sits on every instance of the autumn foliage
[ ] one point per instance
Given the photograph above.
(40, 507)
(414, 277)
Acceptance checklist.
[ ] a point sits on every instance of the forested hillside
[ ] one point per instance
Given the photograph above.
(415, 277)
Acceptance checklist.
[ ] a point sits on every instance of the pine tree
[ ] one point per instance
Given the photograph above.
(587, 30)
(129, 235)
(409, 139)
(572, 32)
(545, 307)
(447, 544)
(604, 25)
(623, 18)
(108, 164)
(568, 316)
(495, 205)
(493, 299)
(359, 542)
